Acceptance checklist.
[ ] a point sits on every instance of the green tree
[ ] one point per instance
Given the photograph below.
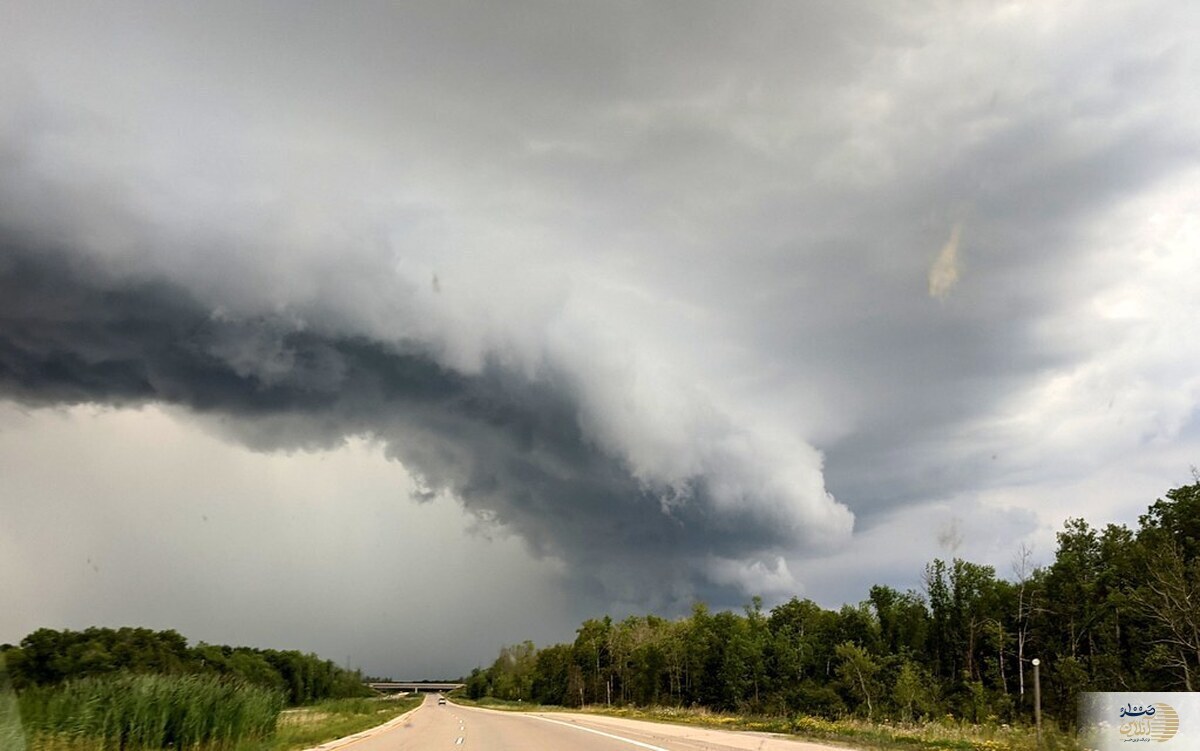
(909, 692)
(857, 670)
(551, 675)
(513, 673)
(903, 620)
(590, 653)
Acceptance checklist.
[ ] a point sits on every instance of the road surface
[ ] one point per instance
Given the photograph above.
(449, 727)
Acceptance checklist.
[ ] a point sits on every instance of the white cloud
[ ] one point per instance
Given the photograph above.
(770, 579)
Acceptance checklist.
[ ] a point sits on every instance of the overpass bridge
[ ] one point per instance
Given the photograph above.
(417, 686)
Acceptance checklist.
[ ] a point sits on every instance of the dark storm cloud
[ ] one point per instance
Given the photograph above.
(617, 275)
(511, 449)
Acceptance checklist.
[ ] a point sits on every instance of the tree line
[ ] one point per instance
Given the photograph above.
(48, 657)
(1117, 609)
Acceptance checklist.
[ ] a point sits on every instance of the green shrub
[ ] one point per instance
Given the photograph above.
(128, 711)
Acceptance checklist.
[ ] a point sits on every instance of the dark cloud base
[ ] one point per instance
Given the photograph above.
(508, 447)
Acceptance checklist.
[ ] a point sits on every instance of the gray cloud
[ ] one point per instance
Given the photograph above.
(682, 258)
(510, 448)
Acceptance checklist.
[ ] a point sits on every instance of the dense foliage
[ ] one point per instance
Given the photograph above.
(147, 711)
(1117, 609)
(48, 657)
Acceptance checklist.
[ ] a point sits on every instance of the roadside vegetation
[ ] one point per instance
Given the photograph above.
(305, 727)
(203, 713)
(135, 689)
(946, 666)
(129, 711)
(48, 657)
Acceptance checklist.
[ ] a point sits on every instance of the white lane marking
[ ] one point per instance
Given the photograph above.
(630, 741)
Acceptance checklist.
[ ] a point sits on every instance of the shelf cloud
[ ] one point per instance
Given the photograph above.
(513, 447)
(691, 300)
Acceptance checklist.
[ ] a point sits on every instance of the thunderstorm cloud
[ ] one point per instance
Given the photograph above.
(510, 445)
(592, 307)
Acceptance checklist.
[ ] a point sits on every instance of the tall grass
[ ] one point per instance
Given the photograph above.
(12, 738)
(133, 712)
(12, 735)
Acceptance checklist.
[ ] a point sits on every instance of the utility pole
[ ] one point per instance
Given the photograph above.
(1037, 700)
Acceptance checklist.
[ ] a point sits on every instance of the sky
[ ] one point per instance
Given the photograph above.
(400, 332)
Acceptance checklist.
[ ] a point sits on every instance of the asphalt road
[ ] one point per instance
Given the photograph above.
(451, 727)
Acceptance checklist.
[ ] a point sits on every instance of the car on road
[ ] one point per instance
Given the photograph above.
(441, 700)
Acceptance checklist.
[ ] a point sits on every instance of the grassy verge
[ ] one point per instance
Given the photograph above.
(305, 727)
(945, 735)
(148, 712)
(196, 713)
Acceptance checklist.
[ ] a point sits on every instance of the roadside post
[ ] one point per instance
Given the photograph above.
(1037, 700)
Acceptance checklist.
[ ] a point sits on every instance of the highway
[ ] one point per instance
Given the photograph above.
(450, 727)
